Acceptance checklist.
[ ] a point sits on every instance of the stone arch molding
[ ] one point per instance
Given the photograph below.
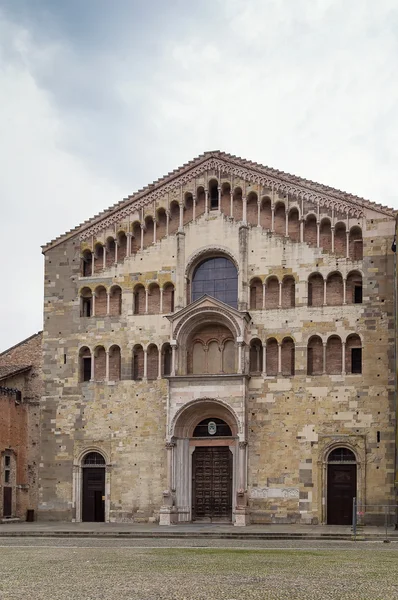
(203, 314)
(209, 252)
(80, 457)
(186, 416)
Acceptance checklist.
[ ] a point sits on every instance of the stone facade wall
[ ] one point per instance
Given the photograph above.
(290, 420)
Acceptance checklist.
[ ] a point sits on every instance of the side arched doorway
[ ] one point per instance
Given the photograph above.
(93, 488)
(212, 464)
(341, 486)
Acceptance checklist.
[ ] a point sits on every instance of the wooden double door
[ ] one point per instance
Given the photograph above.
(342, 486)
(212, 484)
(93, 494)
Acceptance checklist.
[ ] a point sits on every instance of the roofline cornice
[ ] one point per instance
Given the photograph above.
(279, 181)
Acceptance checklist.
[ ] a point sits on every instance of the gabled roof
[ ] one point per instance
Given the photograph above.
(12, 370)
(225, 163)
(21, 343)
(210, 301)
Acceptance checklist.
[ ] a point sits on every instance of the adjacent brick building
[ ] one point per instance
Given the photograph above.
(219, 346)
(21, 388)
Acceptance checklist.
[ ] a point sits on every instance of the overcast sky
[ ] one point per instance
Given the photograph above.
(100, 97)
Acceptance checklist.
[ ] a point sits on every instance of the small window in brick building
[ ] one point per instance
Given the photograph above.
(358, 294)
(7, 476)
(86, 305)
(7, 461)
(213, 195)
(86, 368)
(356, 360)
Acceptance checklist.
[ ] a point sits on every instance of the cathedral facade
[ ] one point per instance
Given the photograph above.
(219, 347)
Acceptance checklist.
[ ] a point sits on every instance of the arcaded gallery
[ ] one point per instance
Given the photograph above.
(218, 347)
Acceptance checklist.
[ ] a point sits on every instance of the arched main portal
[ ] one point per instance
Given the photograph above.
(207, 467)
(341, 486)
(93, 489)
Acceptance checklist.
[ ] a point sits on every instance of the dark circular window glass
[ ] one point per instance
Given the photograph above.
(94, 458)
(212, 428)
(216, 277)
(341, 455)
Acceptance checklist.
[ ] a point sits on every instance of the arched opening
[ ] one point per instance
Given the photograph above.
(354, 288)
(153, 299)
(138, 363)
(93, 497)
(355, 244)
(101, 301)
(238, 204)
(166, 359)
(341, 486)
(340, 240)
(174, 220)
(226, 199)
(115, 301)
(272, 357)
(98, 257)
(310, 230)
(334, 289)
(84, 364)
(161, 224)
(266, 213)
(294, 225)
(168, 298)
(86, 263)
(315, 356)
(110, 252)
(121, 246)
(213, 194)
(217, 277)
(288, 292)
(86, 302)
(315, 290)
(148, 231)
(271, 293)
(200, 201)
(152, 362)
(99, 363)
(325, 235)
(280, 219)
(287, 357)
(256, 357)
(136, 237)
(334, 356)
(256, 294)
(139, 299)
(115, 363)
(188, 208)
(209, 351)
(252, 209)
(353, 355)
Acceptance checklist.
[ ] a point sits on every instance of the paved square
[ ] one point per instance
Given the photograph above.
(60, 571)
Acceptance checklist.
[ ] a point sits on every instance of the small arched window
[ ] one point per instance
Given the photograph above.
(213, 190)
(341, 455)
(216, 277)
(93, 459)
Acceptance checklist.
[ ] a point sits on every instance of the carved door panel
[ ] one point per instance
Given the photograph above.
(212, 483)
(342, 487)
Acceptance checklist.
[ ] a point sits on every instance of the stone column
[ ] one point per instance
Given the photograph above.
(116, 245)
(92, 367)
(167, 222)
(108, 303)
(93, 305)
(324, 292)
(154, 231)
(104, 256)
(244, 202)
(258, 213)
(168, 511)
(318, 233)
(287, 223)
(279, 358)
(264, 367)
(242, 465)
(243, 260)
(344, 290)
(181, 223)
(242, 515)
(146, 300)
(180, 272)
(280, 295)
(343, 358)
(159, 363)
(161, 301)
(347, 254)
(219, 199)
(239, 342)
(264, 291)
(173, 345)
(92, 262)
(324, 357)
(232, 204)
(206, 202)
(301, 229)
(142, 236)
(272, 218)
(193, 207)
(332, 232)
(128, 249)
(145, 364)
(106, 365)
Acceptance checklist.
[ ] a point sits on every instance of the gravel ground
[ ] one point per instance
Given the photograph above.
(111, 569)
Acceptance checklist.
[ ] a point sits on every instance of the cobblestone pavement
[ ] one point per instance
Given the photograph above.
(99, 569)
